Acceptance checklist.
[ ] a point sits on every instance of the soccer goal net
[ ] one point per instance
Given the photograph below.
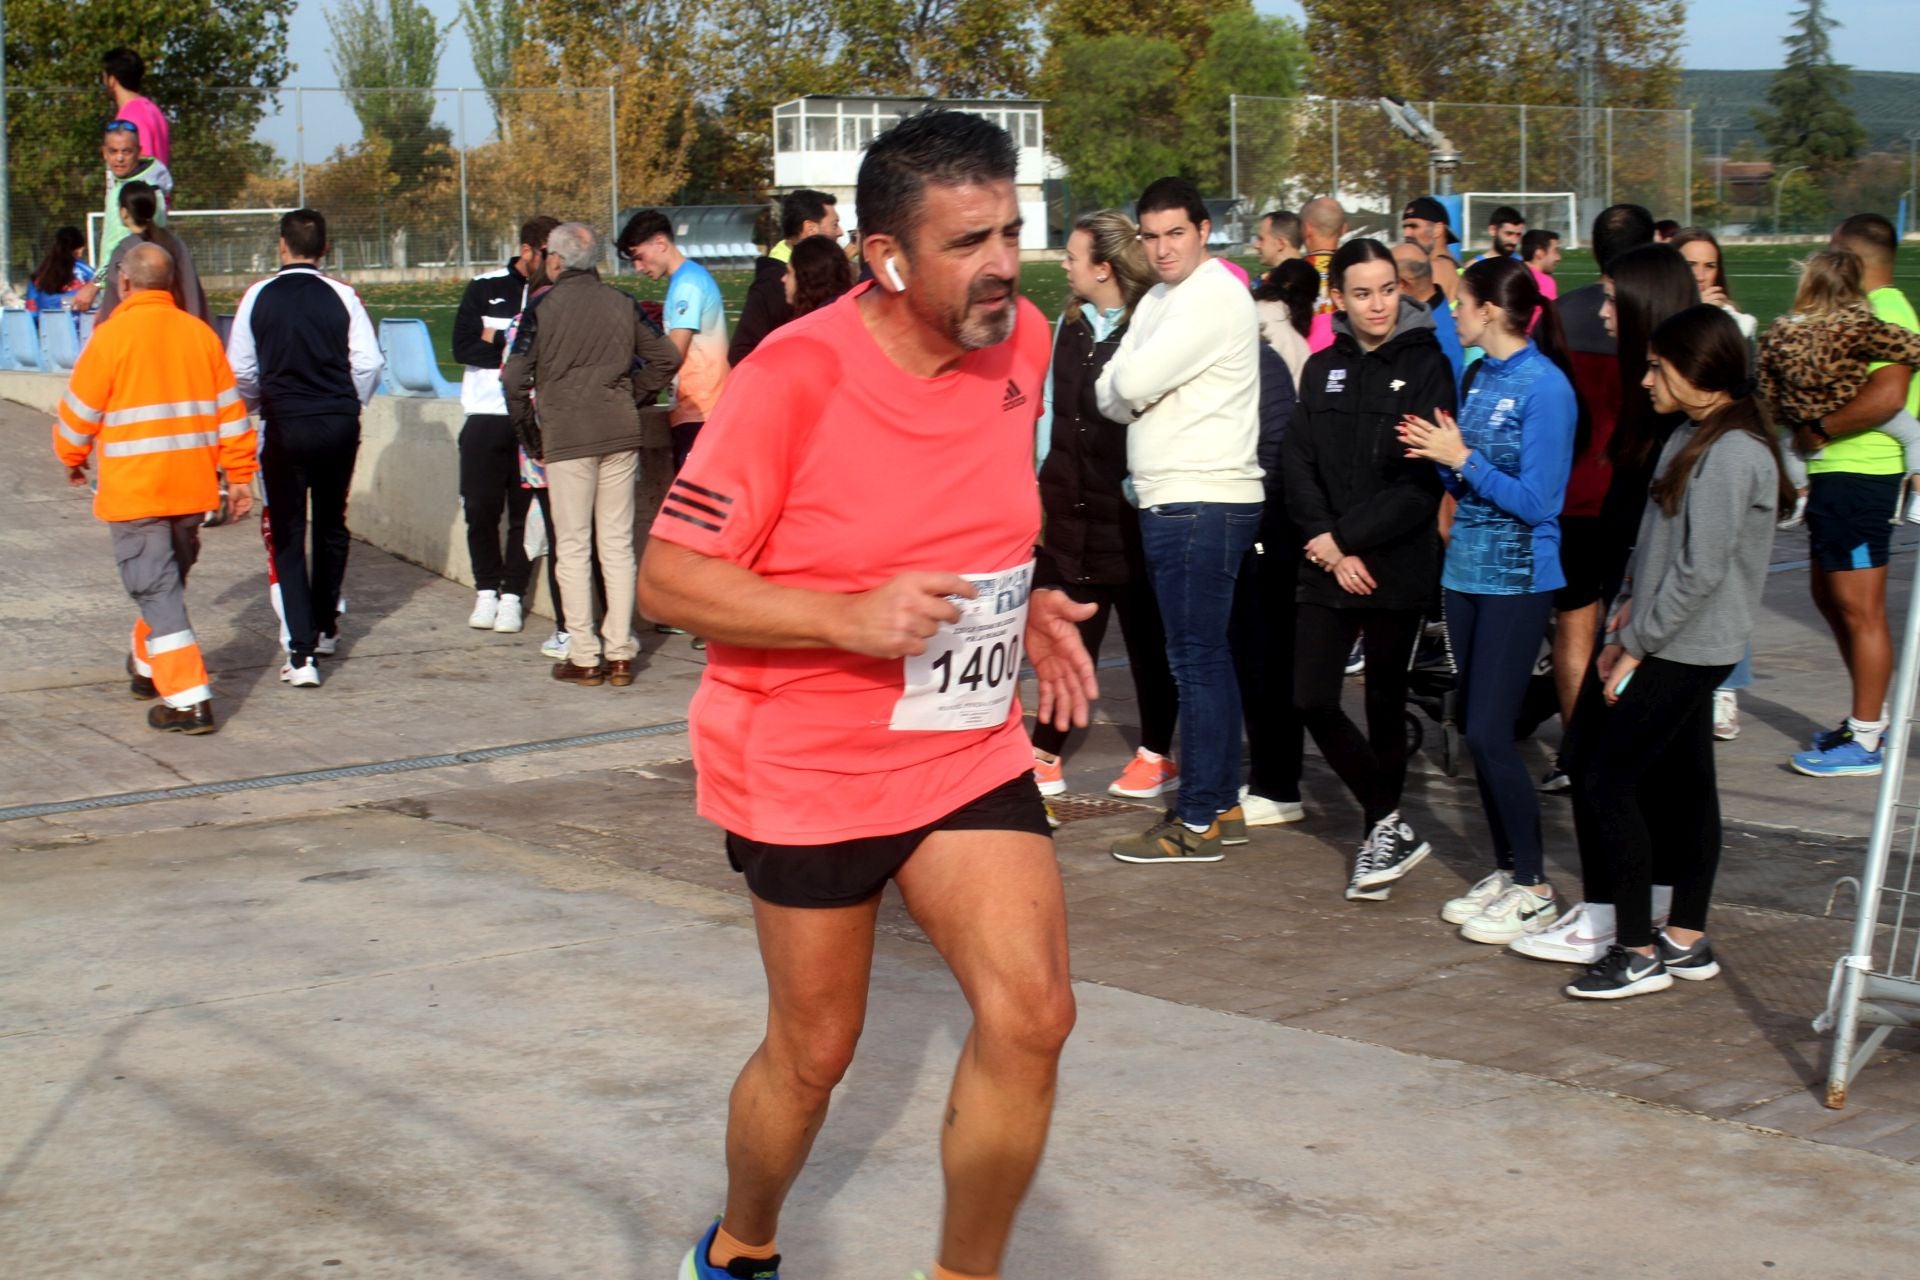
(1542, 210)
(222, 241)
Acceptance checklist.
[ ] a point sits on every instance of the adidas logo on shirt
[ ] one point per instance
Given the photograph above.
(1014, 397)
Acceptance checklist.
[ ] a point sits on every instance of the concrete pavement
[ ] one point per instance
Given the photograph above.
(480, 1020)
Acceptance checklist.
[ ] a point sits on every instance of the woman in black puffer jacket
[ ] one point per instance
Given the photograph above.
(1090, 539)
(1369, 518)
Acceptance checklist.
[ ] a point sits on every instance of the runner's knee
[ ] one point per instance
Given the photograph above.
(1034, 1019)
(816, 1056)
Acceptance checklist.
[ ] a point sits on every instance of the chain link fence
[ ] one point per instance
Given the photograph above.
(415, 183)
(1286, 151)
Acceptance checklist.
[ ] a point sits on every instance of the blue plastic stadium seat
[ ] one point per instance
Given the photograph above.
(411, 367)
(20, 341)
(59, 340)
(85, 319)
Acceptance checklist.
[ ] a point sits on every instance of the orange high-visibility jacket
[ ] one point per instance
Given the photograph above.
(153, 391)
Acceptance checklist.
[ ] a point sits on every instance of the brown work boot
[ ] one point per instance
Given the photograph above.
(197, 718)
(619, 672)
(138, 685)
(565, 670)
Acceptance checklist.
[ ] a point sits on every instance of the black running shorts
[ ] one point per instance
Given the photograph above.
(1850, 519)
(849, 872)
(1583, 562)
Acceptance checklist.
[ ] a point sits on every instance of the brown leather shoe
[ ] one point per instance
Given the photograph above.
(565, 670)
(138, 685)
(197, 718)
(619, 672)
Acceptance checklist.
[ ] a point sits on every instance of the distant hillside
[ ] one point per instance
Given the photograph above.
(1887, 102)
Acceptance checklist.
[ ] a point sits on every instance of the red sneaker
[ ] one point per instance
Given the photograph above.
(1050, 775)
(1146, 777)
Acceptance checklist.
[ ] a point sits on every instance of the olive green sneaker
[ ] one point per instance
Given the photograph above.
(1233, 826)
(1168, 840)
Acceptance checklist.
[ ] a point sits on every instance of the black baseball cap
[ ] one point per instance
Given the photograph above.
(1428, 209)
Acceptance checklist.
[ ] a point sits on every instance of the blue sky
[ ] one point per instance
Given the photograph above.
(1721, 34)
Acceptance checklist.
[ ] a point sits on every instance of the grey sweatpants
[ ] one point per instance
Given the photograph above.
(155, 555)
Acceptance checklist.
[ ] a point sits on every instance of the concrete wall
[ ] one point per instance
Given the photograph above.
(406, 486)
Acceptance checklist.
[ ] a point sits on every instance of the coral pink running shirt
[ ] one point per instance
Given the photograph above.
(828, 467)
(156, 139)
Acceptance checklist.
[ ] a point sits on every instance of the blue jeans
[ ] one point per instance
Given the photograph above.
(1194, 552)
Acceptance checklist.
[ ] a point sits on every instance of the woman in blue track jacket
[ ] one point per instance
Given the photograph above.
(1505, 462)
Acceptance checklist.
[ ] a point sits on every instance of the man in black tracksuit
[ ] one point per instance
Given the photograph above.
(489, 455)
(803, 213)
(305, 360)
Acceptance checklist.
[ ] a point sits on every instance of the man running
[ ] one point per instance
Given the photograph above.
(856, 541)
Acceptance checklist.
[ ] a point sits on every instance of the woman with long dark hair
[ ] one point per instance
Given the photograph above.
(1506, 463)
(1701, 249)
(139, 210)
(61, 272)
(1640, 750)
(1284, 300)
(817, 274)
(1090, 533)
(1369, 515)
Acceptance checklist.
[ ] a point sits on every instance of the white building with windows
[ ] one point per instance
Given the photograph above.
(818, 141)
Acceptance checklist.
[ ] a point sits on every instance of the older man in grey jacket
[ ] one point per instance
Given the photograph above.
(592, 357)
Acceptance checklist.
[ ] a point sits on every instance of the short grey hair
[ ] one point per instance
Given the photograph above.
(575, 245)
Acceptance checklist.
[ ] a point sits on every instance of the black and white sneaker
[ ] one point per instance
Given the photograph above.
(1396, 851)
(1363, 867)
(1556, 779)
(1621, 973)
(1691, 964)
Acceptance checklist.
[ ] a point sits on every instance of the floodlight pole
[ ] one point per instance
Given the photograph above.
(1913, 178)
(6, 188)
(1779, 189)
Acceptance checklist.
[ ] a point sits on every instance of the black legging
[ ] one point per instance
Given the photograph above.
(1646, 804)
(1146, 638)
(1373, 764)
(1262, 635)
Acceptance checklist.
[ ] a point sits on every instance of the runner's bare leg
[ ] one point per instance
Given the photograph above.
(818, 962)
(992, 903)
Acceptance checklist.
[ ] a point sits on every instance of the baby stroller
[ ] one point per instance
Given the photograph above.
(1432, 694)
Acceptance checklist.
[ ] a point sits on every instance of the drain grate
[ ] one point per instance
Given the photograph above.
(1071, 808)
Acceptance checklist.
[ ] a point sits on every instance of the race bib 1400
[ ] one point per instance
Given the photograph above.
(967, 677)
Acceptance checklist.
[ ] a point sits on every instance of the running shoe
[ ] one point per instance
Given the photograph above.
(1145, 777)
(1693, 964)
(1170, 840)
(1798, 516)
(1465, 907)
(1262, 812)
(1363, 860)
(1357, 657)
(1053, 819)
(1913, 508)
(1573, 940)
(1828, 739)
(1396, 851)
(1556, 779)
(1620, 973)
(1233, 826)
(558, 645)
(1517, 912)
(486, 608)
(1846, 760)
(1049, 775)
(325, 645)
(301, 675)
(696, 1267)
(1726, 715)
(510, 618)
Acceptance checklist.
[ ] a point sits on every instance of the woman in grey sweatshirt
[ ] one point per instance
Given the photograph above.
(1640, 749)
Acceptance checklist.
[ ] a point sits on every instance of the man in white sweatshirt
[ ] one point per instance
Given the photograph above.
(1187, 377)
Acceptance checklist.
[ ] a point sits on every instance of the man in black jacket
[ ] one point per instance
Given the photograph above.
(803, 213)
(489, 459)
(305, 359)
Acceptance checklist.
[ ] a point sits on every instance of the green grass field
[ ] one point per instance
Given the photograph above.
(1761, 278)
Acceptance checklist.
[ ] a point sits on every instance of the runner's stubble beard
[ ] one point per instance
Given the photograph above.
(972, 332)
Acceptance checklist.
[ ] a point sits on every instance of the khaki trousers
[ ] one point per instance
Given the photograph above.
(592, 495)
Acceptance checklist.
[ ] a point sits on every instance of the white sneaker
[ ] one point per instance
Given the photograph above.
(1518, 911)
(1465, 907)
(486, 607)
(1573, 940)
(509, 618)
(1726, 715)
(326, 646)
(1913, 508)
(1262, 812)
(1798, 515)
(304, 676)
(558, 645)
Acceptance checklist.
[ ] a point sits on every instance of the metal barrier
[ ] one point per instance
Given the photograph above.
(1882, 994)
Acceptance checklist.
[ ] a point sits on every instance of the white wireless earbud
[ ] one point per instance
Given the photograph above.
(893, 274)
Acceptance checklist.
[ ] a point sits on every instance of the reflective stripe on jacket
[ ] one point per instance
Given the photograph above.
(152, 393)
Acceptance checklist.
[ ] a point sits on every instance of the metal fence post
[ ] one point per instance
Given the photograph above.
(300, 140)
(613, 178)
(1523, 148)
(1687, 177)
(1609, 155)
(6, 188)
(460, 98)
(1233, 148)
